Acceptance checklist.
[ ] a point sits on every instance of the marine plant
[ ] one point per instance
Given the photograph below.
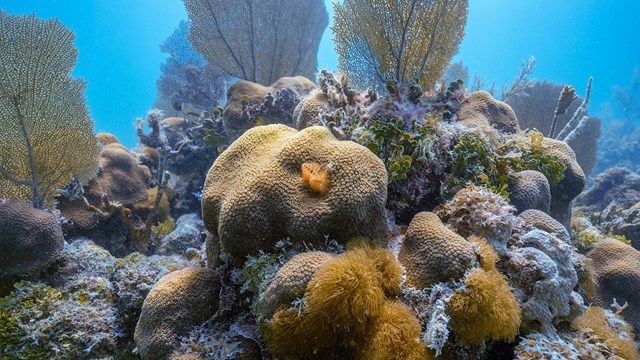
(47, 134)
(413, 39)
(258, 41)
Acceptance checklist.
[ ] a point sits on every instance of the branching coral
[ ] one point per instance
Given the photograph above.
(47, 134)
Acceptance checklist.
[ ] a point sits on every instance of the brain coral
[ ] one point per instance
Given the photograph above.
(243, 94)
(255, 195)
(571, 186)
(30, 239)
(617, 268)
(179, 301)
(307, 112)
(480, 108)
(120, 177)
(431, 253)
(291, 280)
(544, 222)
(529, 189)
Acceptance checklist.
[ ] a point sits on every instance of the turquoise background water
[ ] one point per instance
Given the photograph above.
(120, 57)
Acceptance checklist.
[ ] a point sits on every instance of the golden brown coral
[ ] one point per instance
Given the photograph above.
(395, 335)
(570, 187)
(481, 109)
(253, 195)
(484, 309)
(179, 301)
(30, 239)
(431, 253)
(121, 178)
(347, 314)
(597, 325)
(618, 274)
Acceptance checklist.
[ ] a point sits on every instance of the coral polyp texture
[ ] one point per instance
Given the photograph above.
(530, 189)
(616, 270)
(179, 301)
(255, 195)
(30, 239)
(481, 109)
(432, 253)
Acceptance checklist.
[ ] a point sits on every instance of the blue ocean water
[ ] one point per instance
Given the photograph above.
(571, 40)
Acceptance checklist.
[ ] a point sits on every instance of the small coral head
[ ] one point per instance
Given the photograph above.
(317, 177)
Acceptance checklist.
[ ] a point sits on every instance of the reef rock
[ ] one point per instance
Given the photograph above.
(30, 239)
(258, 192)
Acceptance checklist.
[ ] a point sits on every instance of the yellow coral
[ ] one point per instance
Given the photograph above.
(595, 322)
(396, 335)
(347, 313)
(486, 254)
(484, 309)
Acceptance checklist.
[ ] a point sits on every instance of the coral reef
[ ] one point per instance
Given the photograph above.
(432, 253)
(30, 239)
(180, 300)
(258, 181)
